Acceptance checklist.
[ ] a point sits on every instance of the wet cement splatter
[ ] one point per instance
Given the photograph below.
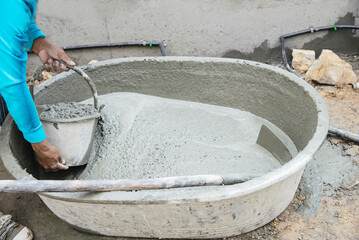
(328, 167)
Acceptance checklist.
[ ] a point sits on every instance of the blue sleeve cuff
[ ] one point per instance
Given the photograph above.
(33, 33)
(36, 136)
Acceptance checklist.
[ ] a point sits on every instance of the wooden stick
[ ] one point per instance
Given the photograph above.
(11, 186)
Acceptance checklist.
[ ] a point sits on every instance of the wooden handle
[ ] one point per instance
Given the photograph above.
(118, 185)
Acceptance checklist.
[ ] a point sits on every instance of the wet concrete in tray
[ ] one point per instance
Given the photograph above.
(144, 136)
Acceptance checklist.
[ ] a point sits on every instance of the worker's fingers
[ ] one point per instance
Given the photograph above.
(57, 167)
(56, 65)
(63, 56)
(63, 67)
(49, 65)
(62, 161)
(60, 166)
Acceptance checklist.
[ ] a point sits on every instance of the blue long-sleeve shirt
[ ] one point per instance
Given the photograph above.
(17, 33)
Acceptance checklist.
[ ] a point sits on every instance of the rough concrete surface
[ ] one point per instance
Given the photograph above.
(66, 111)
(193, 28)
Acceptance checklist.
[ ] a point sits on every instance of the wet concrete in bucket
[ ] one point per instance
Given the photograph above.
(147, 137)
(66, 111)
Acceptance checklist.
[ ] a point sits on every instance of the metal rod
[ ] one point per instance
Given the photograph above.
(12, 186)
(88, 80)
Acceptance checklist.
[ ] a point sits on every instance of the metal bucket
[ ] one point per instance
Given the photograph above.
(73, 139)
(72, 136)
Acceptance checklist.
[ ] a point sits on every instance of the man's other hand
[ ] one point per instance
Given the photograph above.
(49, 53)
(49, 157)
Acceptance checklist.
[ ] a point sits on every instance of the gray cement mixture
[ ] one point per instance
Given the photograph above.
(67, 111)
(147, 137)
(328, 168)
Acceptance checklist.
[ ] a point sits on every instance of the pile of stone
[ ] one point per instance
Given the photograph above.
(328, 69)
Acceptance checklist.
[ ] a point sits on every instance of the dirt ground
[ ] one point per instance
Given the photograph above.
(334, 216)
(343, 106)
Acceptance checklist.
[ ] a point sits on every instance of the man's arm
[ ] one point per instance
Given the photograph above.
(47, 51)
(14, 90)
(47, 155)
(14, 29)
(33, 33)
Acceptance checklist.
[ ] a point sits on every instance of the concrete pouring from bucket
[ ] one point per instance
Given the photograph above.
(204, 212)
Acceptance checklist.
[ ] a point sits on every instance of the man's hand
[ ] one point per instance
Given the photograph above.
(49, 53)
(49, 157)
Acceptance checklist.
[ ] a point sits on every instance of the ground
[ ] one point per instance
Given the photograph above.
(325, 206)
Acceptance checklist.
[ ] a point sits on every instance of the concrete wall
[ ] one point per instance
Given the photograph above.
(232, 28)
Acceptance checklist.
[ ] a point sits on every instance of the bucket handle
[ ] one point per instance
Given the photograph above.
(39, 70)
